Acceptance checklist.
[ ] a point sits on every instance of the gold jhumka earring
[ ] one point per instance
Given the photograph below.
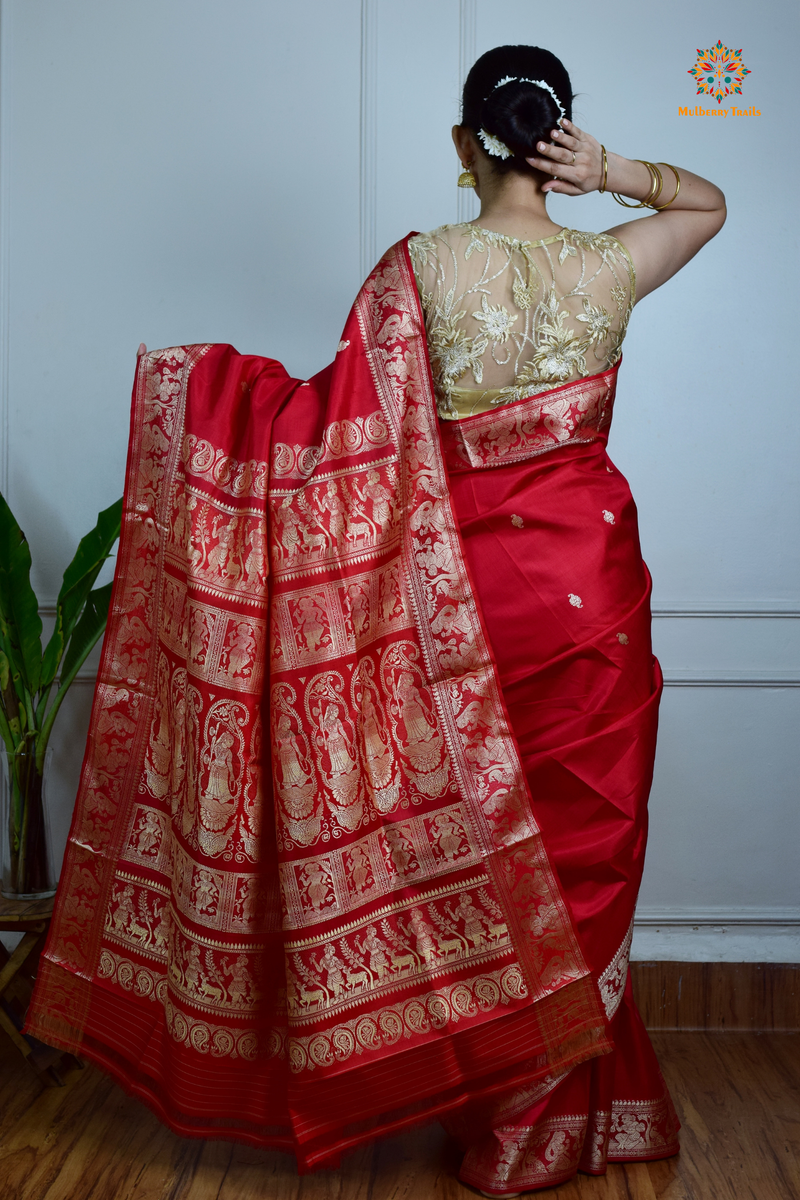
(466, 179)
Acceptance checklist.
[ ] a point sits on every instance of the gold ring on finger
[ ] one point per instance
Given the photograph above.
(572, 164)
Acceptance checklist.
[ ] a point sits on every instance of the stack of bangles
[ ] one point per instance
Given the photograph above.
(655, 190)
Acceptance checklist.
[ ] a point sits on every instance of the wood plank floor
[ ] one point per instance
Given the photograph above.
(736, 1094)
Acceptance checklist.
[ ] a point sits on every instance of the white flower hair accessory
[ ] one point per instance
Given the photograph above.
(537, 83)
(493, 145)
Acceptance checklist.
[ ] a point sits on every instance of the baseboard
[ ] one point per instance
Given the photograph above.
(718, 996)
(763, 934)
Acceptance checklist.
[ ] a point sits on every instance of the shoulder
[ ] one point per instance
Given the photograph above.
(423, 246)
(606, 244)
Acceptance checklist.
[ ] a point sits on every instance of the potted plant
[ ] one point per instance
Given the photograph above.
(33, 684)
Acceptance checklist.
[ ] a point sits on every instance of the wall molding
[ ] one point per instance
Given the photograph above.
(5, 246)
(466, 207)
(751, 610)
(732, 679)
(719, 916)
(368, 144)
(672, 678)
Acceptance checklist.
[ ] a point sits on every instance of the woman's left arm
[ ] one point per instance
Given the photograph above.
(665, 242)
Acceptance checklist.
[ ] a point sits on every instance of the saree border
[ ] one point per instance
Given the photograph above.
(577, 412)
(122, 702)
(467, 692)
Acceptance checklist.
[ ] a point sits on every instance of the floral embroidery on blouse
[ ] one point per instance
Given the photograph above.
(507, 319)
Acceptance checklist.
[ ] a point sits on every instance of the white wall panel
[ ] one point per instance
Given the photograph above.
(178, 172)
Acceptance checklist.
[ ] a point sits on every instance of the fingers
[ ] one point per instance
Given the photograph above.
(564, 139)
(571, 129)
(572, 156)
(142, 350)
(552, 159)
(562, 188)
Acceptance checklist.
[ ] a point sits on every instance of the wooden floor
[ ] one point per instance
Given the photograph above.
(736, 1094)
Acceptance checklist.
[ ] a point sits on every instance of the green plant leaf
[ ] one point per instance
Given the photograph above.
(18, 606)
(79, 579)
(87, 632)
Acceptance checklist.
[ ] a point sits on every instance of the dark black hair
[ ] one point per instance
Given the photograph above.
(519, 114)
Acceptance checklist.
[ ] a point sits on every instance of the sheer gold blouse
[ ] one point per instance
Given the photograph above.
(506, 318)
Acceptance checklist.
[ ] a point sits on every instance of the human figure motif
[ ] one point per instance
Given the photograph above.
(374, 947)
(412, 710)
(241, 650)
(149, 833)
(359, 608)
(336, 741)
(380, 496)
(423, 933)
(256, 561)
(218, 757)
(206, 892)
(193, 974)
(291, 524)
(390, 596)
(333, 503)
(449, 835)
(628, 1131)
(293, 767)
(333, 967)
(124, 910)
(400, 850)
(374, 742)
(360, 868)
(474, 920)
(221, 557)
(557, 1151)
(241, 979)
(244, 910)
(311, 621)
(161, 931)
(199, 636)
(317, 884)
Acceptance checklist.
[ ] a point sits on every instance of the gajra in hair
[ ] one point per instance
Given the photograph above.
(513, 97)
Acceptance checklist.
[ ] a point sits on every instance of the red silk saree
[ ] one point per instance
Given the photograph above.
(362, 812)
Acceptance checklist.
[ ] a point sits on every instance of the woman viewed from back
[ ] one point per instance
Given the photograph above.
(400, 787)
(525, 324)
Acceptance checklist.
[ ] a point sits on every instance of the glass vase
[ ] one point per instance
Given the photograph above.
(27, 860)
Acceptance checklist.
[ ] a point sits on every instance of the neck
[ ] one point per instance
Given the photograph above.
(515, 205)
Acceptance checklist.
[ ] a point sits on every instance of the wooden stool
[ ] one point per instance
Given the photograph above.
(31, 918)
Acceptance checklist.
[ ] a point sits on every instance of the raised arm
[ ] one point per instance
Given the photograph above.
(660, 245)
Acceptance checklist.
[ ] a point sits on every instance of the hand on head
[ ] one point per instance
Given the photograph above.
(573, 158)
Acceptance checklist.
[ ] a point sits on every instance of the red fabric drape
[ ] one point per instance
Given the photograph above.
(308, 896)
(552, 545)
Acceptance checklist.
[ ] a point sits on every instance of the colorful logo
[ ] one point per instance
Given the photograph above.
(719, 72)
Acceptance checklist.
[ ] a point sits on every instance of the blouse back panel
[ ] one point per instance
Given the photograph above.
(507, 319)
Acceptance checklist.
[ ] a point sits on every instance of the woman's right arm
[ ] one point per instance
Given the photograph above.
(660, 245)
(665, 242)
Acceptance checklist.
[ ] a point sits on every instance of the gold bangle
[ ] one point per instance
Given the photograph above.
(605, 169)
(658, 183)
(654, 188)
(674, 170)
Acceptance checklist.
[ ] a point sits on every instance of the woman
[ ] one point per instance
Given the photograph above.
(441, 928)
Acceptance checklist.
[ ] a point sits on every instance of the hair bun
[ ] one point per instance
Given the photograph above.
(520, 114)
(516, 94)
